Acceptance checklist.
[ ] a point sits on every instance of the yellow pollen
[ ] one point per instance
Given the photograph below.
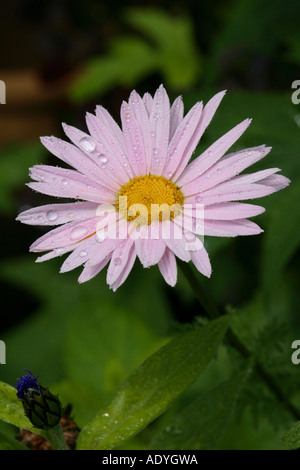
(149, 198)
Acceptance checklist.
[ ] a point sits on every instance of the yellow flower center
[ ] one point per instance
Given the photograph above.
(149, 199)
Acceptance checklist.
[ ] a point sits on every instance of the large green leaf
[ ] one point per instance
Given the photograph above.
(9, 443)
(11, 409)
(202, 423)
(67, 308)
(103, 349)
(153, 386)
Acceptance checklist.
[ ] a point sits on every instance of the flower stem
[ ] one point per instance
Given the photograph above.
(56, 438)
(212, 312)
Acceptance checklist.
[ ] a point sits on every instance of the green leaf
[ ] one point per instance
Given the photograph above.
(292, 437)
(179, 59)
(129, 60)
(153, 386)
(282, 238)
(112, 342)
(9, 443)
(11, 409)
(170, 49)
(201, 424)
(14, 163)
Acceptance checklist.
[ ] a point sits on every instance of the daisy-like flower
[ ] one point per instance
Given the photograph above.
(133, 175)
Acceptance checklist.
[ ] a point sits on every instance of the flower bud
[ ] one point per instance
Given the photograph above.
(42, 408)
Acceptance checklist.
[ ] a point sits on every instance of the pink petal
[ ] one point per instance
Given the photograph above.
(100, 151)
(177, 243)
(159, 126)
(225, 169)
(75, 157)
(126, 271)
(231, 211)
(176, 115)
(109, 125)
(80, 255)
(207, 115)
(148, 100)
(89, 272)
(274, 181)
(65, 235)
(118, 261)
(181, 142)
(201, 261)
(138, 155)
(242, 187)
(230, 228)
(116, 163)
(138, 107)
(101, 250)
(168, 268)
(56, 214)
(54, 254)
(212, 154)
(61, 182)
(149, 251)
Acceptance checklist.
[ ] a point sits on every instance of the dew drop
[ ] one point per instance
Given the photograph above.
(198, 199)
(52, 215)
(87, 144)
(78, 232)
(103, 159)
(118, 261)
(82, 254)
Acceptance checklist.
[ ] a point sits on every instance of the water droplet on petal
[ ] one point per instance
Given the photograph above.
(198, 199)
(78, 232)
(103, 159)
(118, 261)
(82, 254)
(88, 144)
(52, 215)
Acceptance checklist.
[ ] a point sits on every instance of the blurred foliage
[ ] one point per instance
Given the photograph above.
(86, 341)
(168, 48)
(15, 162)
(153, 386)
(202, 423)
(292, 437)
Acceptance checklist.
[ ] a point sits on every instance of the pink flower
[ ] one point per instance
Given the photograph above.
(146, 164)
